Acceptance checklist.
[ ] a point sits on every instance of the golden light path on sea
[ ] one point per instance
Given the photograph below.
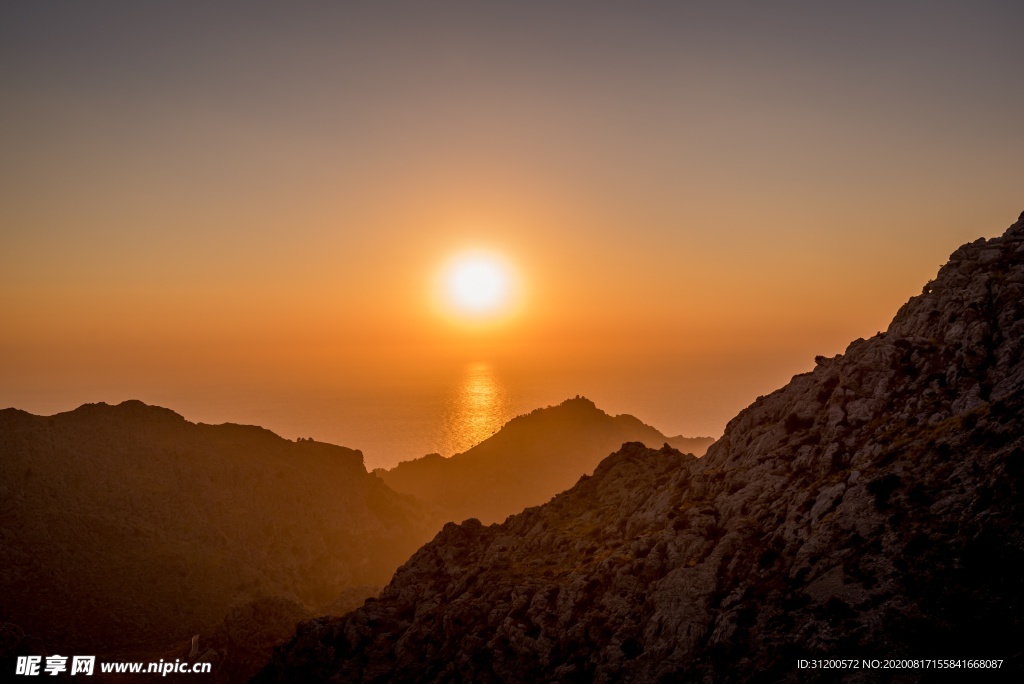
(477, 409)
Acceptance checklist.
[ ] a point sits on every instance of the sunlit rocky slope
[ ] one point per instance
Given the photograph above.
(873, 507)
(532, 458)
(129, 527)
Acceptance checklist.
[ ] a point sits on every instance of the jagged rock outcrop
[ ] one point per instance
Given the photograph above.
(129, 528)
(873, 507)
(532, 458)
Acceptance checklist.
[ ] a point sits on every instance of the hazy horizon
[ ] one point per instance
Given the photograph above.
(242, 212)
(446, 416)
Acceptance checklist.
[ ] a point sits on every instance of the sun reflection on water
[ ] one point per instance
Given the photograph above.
(477, 408)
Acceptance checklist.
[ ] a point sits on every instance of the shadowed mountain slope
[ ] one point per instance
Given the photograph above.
(532, 458)
(127, 526)
(873, 507)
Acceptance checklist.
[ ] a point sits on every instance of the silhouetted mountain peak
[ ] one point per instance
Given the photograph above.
(137, 418)
(577, 411)
(580, 402)
(163, 524)
(579, 408)
(532, 458)
(131, 409)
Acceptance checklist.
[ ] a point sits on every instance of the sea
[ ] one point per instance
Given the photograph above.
(392, 419)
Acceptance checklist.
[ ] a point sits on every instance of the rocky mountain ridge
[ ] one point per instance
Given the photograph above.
(532, 458)
(873, 507)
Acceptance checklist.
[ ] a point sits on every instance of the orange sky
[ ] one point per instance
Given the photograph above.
(196, 201)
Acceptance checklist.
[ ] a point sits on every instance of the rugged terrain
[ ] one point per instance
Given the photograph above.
(127, 527)
(532, 458)
(127, 530)
(873, 507)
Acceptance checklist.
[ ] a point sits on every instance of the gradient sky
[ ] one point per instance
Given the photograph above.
(257, 196)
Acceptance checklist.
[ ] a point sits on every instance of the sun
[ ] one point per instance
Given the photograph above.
(477, 285)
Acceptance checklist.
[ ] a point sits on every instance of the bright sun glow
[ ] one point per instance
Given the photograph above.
(477, 284)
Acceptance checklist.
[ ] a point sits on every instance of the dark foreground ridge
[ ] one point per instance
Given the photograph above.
(128, 528)
(870, 508)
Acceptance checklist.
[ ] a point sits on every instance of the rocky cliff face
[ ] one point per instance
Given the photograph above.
(532, 458)
(873, 507)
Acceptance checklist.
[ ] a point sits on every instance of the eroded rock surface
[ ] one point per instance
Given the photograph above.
(870, 508)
